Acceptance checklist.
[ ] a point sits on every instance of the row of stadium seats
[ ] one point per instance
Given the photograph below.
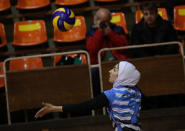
(25, 31)
(33, 32)
(35, 4)
(37, 63)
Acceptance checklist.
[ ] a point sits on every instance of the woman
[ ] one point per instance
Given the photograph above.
(123, 100)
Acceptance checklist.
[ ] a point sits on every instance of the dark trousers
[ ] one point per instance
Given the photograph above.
(95, 81)
(127, 129)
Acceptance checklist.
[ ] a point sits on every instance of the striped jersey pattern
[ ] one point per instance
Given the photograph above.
(124, 106)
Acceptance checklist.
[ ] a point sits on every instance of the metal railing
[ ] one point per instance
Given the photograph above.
(43, 55)
(134, 47)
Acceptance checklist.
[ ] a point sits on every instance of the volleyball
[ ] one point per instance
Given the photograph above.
(63, 19)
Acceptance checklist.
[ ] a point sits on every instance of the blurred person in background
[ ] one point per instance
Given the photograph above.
(153, 29)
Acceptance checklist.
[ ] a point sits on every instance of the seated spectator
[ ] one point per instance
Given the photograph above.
(153, 29)
(105, 34)
(101, 35)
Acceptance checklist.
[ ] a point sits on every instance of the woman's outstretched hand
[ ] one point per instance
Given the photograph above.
(47, 108)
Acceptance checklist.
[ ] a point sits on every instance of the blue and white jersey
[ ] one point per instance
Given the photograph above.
(125, 104)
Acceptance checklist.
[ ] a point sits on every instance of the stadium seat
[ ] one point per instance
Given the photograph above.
(78, 59)
(77, 33)
(2, 35)
(31, 4)
(179, 17)
(26, 63)
(106, 0)
(2, 83)
(139, 16)
(4, 5)
(29, 33)
(69, 2)
(119, 19)
(161, 11)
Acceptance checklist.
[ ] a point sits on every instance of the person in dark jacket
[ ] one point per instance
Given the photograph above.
(153, 29)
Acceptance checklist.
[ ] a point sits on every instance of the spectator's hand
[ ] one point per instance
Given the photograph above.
(98, 24)
(105, 27)
(47, 108)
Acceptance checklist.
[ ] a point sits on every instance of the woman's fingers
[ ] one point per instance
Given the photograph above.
(44, 110)
(46, 104)
(40, 113)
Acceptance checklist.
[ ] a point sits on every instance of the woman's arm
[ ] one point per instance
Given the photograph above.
(98, 102)
(48, 108)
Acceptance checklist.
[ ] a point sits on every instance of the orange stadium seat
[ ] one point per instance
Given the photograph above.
(69, 2)
(119, 19)
(32, 4)
(139, 16)
(26, 63)
(106, 0)
(2, 35)
(161, 11)
(4, 5)
(82, 58)
(2, 83)
(29, 33)
(77, 33)
(179, 17)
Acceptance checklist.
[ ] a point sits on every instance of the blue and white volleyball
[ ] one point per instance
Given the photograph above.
(63, 19)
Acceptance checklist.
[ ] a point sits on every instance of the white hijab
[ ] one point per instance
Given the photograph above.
(128, 75)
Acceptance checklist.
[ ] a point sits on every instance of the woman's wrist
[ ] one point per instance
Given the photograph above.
(58, 109)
